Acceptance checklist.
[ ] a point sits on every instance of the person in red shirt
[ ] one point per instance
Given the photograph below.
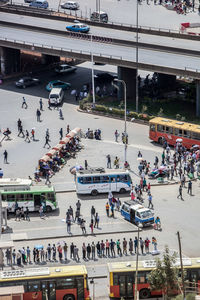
(147, 242)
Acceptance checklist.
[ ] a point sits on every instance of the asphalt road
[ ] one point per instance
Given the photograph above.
(109, 50)
(124, 11)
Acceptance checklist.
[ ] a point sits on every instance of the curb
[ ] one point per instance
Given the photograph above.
(142, 122)
(65, 191)
(75, 235)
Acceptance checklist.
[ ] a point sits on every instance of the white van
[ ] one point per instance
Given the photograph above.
(70, 5)
(56, 96)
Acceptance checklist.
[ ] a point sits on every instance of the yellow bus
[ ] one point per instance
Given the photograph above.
(62, 283)
(122, 278)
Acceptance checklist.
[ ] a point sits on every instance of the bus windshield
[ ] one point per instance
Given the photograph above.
(145, 214)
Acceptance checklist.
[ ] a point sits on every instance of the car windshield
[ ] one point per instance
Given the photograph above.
(57, 83)
(21, 80)
(145, 214)
(53, 96)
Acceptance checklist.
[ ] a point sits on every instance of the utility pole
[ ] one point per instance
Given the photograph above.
(136, 267)
(136, 79)
(181, 261)
(93, 85)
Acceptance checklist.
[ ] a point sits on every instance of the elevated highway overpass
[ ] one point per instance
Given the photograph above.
(157, 54)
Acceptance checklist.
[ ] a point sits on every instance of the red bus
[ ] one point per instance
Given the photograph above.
(161, 129)
(122, 278)
(62, 283)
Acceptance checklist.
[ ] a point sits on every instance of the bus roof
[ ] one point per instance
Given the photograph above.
(33, 189)
(109, 172)
(14, 181)
(145, 265)
(38, 273)
(176, 123)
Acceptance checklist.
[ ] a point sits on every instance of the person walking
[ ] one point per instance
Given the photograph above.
(190, 187)
(119, 251)
(72, 250)
(78, 206)
(19, 123)
(47, 141)
(84, 251)
(38, 114)
(33, 134)
(76, 256)
(93, 212)
(88, 251)
(5, 154)
(61, 133)
(26, 213)
(116, 162)
(180, 192)
(47, 177)
(21, 131)
(65, 247)
(27, 137)
(24, 103)
(96, 221)
(112, 248)
(82, 225)
(68, 221)
(124, 246)
(142, 245)
(131, 246)
(41, 104)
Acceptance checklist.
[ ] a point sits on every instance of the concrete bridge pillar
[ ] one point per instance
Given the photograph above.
(49, 59)
(129, 76)
(9, 61)
(198, 98)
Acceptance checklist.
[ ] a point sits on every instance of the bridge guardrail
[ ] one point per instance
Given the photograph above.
(63, 16)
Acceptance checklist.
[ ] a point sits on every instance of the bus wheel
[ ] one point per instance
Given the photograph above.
(122, 191)
(160, 141)
(145, 293)
(48, 209)
(94, 192)
(68, 297)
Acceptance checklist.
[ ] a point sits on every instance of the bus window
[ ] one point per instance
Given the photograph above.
(115, 279)
(195, 135)
(65, 283)
(161, 128)
(171, 130)
(80, 179)
(87, 180)
(10, 197)
(152, 127)
(142, 277)
(104, 179)
(4, 197)
(33, 286)
(112, 179)
(96, 179)
(51, 196)
(178, 131)
(29, 197)
(80, 287)
(20, 197)
(123, 178)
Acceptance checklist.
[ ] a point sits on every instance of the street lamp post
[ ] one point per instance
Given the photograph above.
(93, 87)
(125, 127)
(136, 267)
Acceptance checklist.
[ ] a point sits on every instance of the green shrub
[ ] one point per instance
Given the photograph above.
(133, 114)
(160, 113)
(101, 108)
(178, 117)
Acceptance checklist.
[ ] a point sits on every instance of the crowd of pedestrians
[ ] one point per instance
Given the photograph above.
(63, 252)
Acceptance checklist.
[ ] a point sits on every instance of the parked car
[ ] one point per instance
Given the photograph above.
(104, 77)
(99, 16)
(27, 81)
(78, 27)
(64, 68)
(39, 4)
(70, 5)
(57, 84)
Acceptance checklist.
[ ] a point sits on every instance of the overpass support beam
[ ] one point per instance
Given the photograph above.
(10, 61)
(198, 98)
(129, 76)
(49, 59)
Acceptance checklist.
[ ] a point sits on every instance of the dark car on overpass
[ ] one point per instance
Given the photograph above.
(27, 81)
(104, 77)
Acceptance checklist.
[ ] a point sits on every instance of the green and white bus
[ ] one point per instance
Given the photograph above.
(32, 198)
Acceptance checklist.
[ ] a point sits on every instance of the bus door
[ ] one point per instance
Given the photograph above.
(132, 215)
(126, 285)
(113, 183)
(193, 280)
(48, 290)
(37, 202)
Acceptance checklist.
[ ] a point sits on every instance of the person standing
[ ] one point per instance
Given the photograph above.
(5, 154)
(146, 243)
(150, 201)
(107, 248)
(190, 187)
(93, 212)
(116, 162)
(19, 123)
(84, 251)
(27, 217)
(65, 251)
(47, 177)
(72, 250)
(33, 134)
(21, 131)
(96, 221)
(112, 248)
(131, 246)
(14, 256)
(24, 103)
(61, 133)
(135, 244)
(88, 251)
(119, 251)
(107, 209)
(124, 247)
(28, 255)
(142, 245)
(93, 250)
(180, 192)
(41, 104)
(54, 252)
(86, 164)
(108, 161)
(116, 136)
(68, 221)
(38, 114)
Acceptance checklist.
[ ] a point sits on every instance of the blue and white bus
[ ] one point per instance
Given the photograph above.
(88, 182)
(137, 213)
